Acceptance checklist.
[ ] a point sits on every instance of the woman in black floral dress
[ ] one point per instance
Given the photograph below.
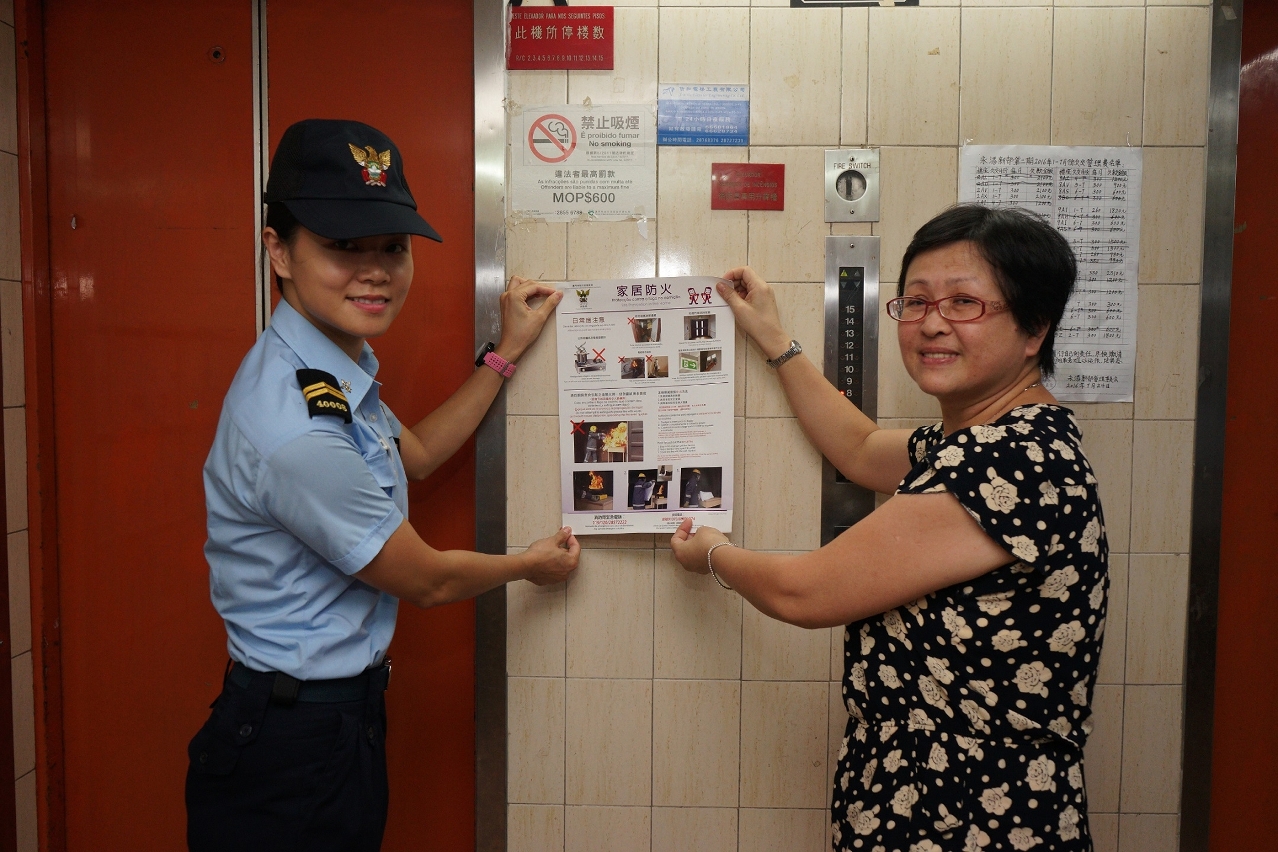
(977, 594)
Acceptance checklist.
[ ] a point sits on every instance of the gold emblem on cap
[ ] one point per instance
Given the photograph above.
(375, 165)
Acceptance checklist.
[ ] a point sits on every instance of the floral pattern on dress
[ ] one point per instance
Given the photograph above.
(970, 707)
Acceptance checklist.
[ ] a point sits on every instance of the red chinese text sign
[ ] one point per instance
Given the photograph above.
(747, 186)
(559, 37)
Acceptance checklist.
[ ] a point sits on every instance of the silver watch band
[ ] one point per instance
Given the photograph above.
(795, 349)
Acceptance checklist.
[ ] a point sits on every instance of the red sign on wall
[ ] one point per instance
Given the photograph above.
(557, 37)
(747, 186)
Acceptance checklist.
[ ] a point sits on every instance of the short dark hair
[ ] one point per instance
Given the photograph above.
(285, 224)
(1033, 264)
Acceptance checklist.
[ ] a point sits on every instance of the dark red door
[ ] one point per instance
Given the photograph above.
(152, 250)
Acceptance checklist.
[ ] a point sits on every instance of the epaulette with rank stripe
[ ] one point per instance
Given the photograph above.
(322, 396)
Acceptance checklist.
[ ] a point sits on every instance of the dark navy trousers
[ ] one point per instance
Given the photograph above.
(307, 776)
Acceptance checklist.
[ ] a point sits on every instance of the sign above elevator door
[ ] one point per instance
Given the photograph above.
(557, 38)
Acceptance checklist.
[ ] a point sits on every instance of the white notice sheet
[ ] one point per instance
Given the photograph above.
(645, 405)
(1092, 196)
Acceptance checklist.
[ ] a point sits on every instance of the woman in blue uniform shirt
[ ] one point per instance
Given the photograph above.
(309, 548)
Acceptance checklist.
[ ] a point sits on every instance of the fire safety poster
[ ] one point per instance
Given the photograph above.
(571, 163)
(645, 405)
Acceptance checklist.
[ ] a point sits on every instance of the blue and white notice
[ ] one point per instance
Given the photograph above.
(713, 115)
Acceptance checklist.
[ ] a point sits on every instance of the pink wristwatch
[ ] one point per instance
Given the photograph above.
(498, 363)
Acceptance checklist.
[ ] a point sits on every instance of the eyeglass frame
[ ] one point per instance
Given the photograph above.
(928, 304)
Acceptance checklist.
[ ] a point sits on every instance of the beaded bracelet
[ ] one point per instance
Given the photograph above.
(711, 566)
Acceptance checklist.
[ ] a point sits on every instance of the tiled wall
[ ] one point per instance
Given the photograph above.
(15, 441)
(649, 709)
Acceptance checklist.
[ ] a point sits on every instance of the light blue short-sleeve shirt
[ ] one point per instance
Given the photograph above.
(297, 504)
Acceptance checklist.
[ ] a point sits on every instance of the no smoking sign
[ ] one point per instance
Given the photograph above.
(552, 138)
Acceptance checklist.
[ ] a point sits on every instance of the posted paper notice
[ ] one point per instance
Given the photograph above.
(645, 405)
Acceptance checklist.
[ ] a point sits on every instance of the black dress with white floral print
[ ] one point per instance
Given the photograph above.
(970, 706)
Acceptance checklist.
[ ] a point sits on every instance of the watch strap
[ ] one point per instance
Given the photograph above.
(795, 349)
(500, 364)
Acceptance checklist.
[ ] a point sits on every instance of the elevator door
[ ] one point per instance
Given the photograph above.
(151, 148)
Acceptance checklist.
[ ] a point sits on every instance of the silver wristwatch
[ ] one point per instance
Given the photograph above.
(795, 349)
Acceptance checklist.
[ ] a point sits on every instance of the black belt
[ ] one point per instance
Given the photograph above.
(286, 689)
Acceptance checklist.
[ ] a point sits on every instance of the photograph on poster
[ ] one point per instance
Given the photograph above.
(650, 488)
(608, 441)
(592, 490)
(646, 329)
(699, 327)
(633, 367)
(658, 366)
(701, 487)
(589, 362)
(705, 361)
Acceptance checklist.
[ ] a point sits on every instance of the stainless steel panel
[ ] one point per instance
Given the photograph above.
(490, 438)
(851, 359)
(846, 198)
(1209, 431)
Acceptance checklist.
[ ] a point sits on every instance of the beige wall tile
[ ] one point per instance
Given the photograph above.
(794, 77)
(15, 467)
(705, 2)
(1157, 599)
(1162, 481)
(1007, 76)
(739, 518)
(789, 245)
(693, 42)
(784, 738)
(739, 392)
(1149, 833)
(24, 747)
(11, 343)
(856, 76)
(696, 743)
(1102, 410)
(535, 388)
(532, 479)
(1104, 831)
(1151, 750)
(1096, 82)
(19, 594)
(535, 741)
(914, 77)
(777, 830)
(535, 88)
(6, 12)
(700, 829)
(1100, 2)
(10, 242)
(802, 310)
(537, 250)
(535, 828)
(1167, 352)
(1171, 216)
(1177, 73)
(1102, 759)
(614, 829)
(783, 472)
(838, 639)
(609, 744)
(1114, 648)
(1008, 3)
(633, 78)
(838, 730)
(603, 250)
(610, 615)
(535, 630)
(774, 650)
(899, 396)
(629, 541)
(697, 625)
(696, 240)
(28, 827)
(923, 182)
(8, 92)
(1108, 446)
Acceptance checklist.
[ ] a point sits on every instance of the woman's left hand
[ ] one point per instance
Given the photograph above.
(521, 322)
(691, 548)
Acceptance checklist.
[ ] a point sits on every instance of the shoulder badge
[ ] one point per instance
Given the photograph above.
(375, 164)
(322, 396)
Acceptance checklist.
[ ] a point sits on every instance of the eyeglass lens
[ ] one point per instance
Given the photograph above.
(959, 308)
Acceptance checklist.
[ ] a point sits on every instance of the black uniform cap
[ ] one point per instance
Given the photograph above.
(344, 180)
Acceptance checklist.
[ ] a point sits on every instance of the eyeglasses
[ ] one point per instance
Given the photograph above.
(953, 308)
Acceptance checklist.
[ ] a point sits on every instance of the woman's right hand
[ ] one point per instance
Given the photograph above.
(553, 558)
(754, 304)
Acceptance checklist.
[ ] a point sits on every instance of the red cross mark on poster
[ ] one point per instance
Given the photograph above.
(552, 138)
(577, 427)
(599, 353)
